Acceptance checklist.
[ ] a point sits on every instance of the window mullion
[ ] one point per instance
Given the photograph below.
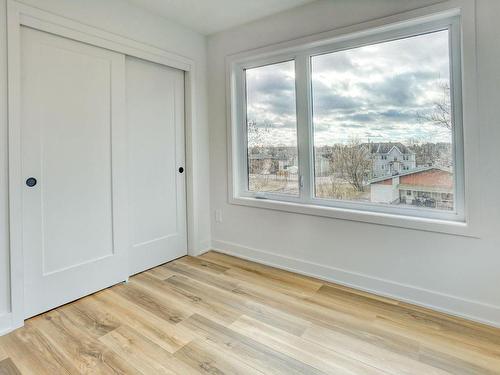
(304, 133)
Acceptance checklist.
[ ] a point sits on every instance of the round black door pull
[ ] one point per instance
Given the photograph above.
(181, 169)
(31, 181)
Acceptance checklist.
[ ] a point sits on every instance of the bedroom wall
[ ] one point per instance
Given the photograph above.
(115, 16)
(450, 273)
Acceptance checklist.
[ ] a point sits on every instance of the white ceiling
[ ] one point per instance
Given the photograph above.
(211, 16)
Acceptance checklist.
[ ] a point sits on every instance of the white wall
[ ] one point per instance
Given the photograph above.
(119, 17)
(381, 193)
(451, 273)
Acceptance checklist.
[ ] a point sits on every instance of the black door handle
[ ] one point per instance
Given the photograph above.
(181, 170)
(31, 181)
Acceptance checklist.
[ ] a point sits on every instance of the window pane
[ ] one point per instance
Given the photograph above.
(272, 129)
(383, 129)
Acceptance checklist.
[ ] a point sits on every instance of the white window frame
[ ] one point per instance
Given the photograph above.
(448, 16)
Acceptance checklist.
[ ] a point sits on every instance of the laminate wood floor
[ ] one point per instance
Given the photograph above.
(217, 314)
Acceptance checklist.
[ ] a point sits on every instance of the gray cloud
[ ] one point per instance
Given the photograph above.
(401, 89)
(352, 126)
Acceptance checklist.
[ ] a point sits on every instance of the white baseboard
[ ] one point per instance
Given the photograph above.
(203, 247)
(453, 305)
(6, 324)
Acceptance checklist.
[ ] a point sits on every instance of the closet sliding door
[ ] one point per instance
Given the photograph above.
(103, 189)
(102, 149)
(74, 168)
(155, 115)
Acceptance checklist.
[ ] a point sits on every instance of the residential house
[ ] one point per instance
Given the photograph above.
(391, 158)
(426, 187)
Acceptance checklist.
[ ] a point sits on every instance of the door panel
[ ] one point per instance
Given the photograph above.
(155, 105)
(74, 144)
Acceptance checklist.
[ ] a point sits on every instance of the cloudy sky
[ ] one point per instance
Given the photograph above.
(372, 93)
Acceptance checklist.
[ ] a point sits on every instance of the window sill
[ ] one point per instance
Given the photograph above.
(458, 228)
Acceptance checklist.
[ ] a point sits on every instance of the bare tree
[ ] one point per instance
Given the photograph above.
(257, 135)
(352, 162)
(441, 113)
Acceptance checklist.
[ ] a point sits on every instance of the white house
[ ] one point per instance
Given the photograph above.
(391, 158)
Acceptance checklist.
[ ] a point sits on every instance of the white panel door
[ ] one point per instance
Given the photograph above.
(155, 105)
(74, 144)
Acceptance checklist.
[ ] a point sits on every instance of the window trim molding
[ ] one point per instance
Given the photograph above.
(462, 37)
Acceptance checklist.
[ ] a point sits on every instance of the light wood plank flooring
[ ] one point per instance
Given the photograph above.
(221, 315)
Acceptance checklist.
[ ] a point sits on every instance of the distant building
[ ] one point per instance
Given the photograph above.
(265, 163)
(390, 158)
(427, 187)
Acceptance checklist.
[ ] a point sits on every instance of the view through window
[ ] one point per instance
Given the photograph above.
(376, 129)
(272, 129)
(382, 123)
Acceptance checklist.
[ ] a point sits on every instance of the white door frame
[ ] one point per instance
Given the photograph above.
(23, 15)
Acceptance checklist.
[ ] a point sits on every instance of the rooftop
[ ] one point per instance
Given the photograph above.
(425, 176)
(386, 147)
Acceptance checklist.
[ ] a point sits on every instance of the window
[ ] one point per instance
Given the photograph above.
(355, 124)
(272, 129)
